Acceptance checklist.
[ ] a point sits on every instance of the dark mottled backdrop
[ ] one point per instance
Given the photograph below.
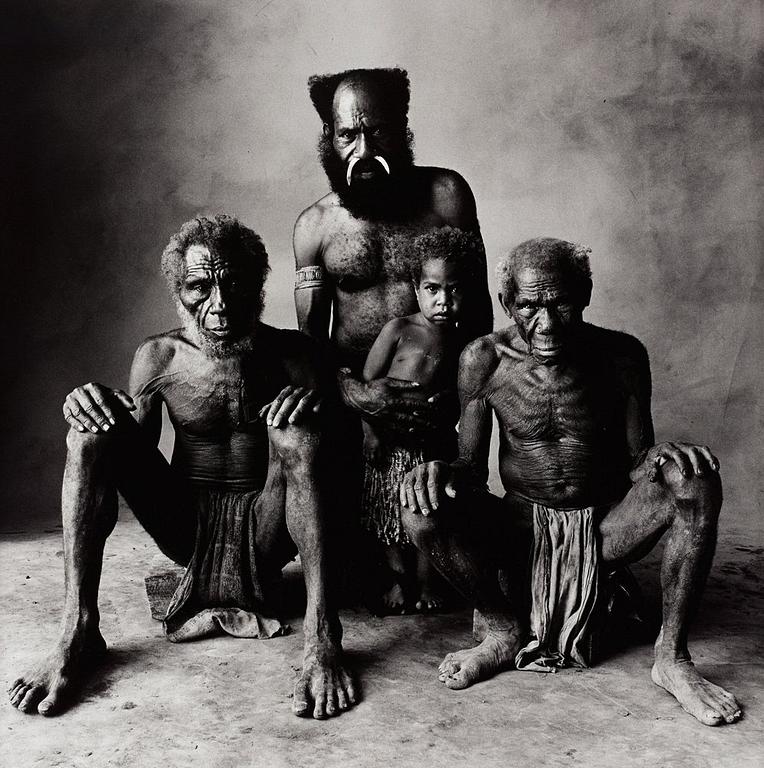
(629, 126)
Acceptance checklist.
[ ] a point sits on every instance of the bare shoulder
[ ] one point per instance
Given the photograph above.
(479, 360)
(311, 228)
(622, 348)
(155, 354)
(399, 324)
(154, 357)
(445, 182)
(451, 196)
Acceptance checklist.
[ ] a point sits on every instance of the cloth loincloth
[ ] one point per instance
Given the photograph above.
(380, 504)
(565, 589)
(224, 589)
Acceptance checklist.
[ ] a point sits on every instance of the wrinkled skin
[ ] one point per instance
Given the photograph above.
(573, 406)
(251, 396)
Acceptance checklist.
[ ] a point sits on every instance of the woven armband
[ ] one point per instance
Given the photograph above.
(309, 277)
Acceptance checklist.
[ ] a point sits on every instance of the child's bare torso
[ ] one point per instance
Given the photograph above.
(427, 355)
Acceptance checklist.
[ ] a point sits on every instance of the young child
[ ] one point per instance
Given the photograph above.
(425, 348)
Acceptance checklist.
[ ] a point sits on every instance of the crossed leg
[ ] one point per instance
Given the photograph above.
(686, 509)
(97, 465)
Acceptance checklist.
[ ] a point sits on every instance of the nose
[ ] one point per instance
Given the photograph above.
(444, 299)
(546, 321)
(217, 301)
(363, 149)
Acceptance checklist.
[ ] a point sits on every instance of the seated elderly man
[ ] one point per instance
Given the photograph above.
(586, 488)
(242, 495)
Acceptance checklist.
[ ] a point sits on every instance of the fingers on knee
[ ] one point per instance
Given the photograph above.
(699, 494)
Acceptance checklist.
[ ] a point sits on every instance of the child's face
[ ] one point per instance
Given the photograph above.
(439, 292)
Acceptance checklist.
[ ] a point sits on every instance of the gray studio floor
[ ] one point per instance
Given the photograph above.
(226, 702)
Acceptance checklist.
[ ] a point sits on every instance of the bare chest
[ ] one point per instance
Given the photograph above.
(360, 255)
(581, 406)
(218, 398)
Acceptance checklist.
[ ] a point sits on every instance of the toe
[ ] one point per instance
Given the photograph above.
(319, 711)
(710, 717)
(331, 704)
(19, 694)
(51, 703)
(14, 691)
(457, 681)
(350, 690)
(32, 696)
(14, 685)
(300, 699)
(342, 700)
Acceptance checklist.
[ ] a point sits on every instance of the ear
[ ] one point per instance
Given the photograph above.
(327, 129)
(586, 292)
(506, 303)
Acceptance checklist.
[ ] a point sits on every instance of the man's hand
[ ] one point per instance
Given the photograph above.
(424, 487)
(389, 401)
(95, 407)
(293, 405)
(690, 459)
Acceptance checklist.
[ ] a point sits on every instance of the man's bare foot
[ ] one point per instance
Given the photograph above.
(464, 668)
(429, 602)
(705, 701)
(324, 688)
(48, 686)
(393, 601)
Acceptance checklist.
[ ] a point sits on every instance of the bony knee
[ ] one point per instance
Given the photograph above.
(86, 443)
(296, 444)
(701, 493)
(419, 528)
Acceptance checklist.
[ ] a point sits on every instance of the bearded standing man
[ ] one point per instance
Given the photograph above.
(353, 246)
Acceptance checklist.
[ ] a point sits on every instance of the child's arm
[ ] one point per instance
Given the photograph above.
(382, 350)
(376, 366)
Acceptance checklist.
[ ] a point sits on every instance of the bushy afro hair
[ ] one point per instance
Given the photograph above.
(542, 252)
(392, 84)
(454, 246)
(221, 232)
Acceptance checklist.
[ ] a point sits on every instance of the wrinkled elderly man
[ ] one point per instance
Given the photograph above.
(586, 487)
(242, 495)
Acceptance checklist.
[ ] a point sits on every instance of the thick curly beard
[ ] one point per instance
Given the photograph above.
(384, 200)
(212, 346)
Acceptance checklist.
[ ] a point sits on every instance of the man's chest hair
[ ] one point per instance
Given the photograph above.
(371, 252)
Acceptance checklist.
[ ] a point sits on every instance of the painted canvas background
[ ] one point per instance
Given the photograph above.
(627, 126)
